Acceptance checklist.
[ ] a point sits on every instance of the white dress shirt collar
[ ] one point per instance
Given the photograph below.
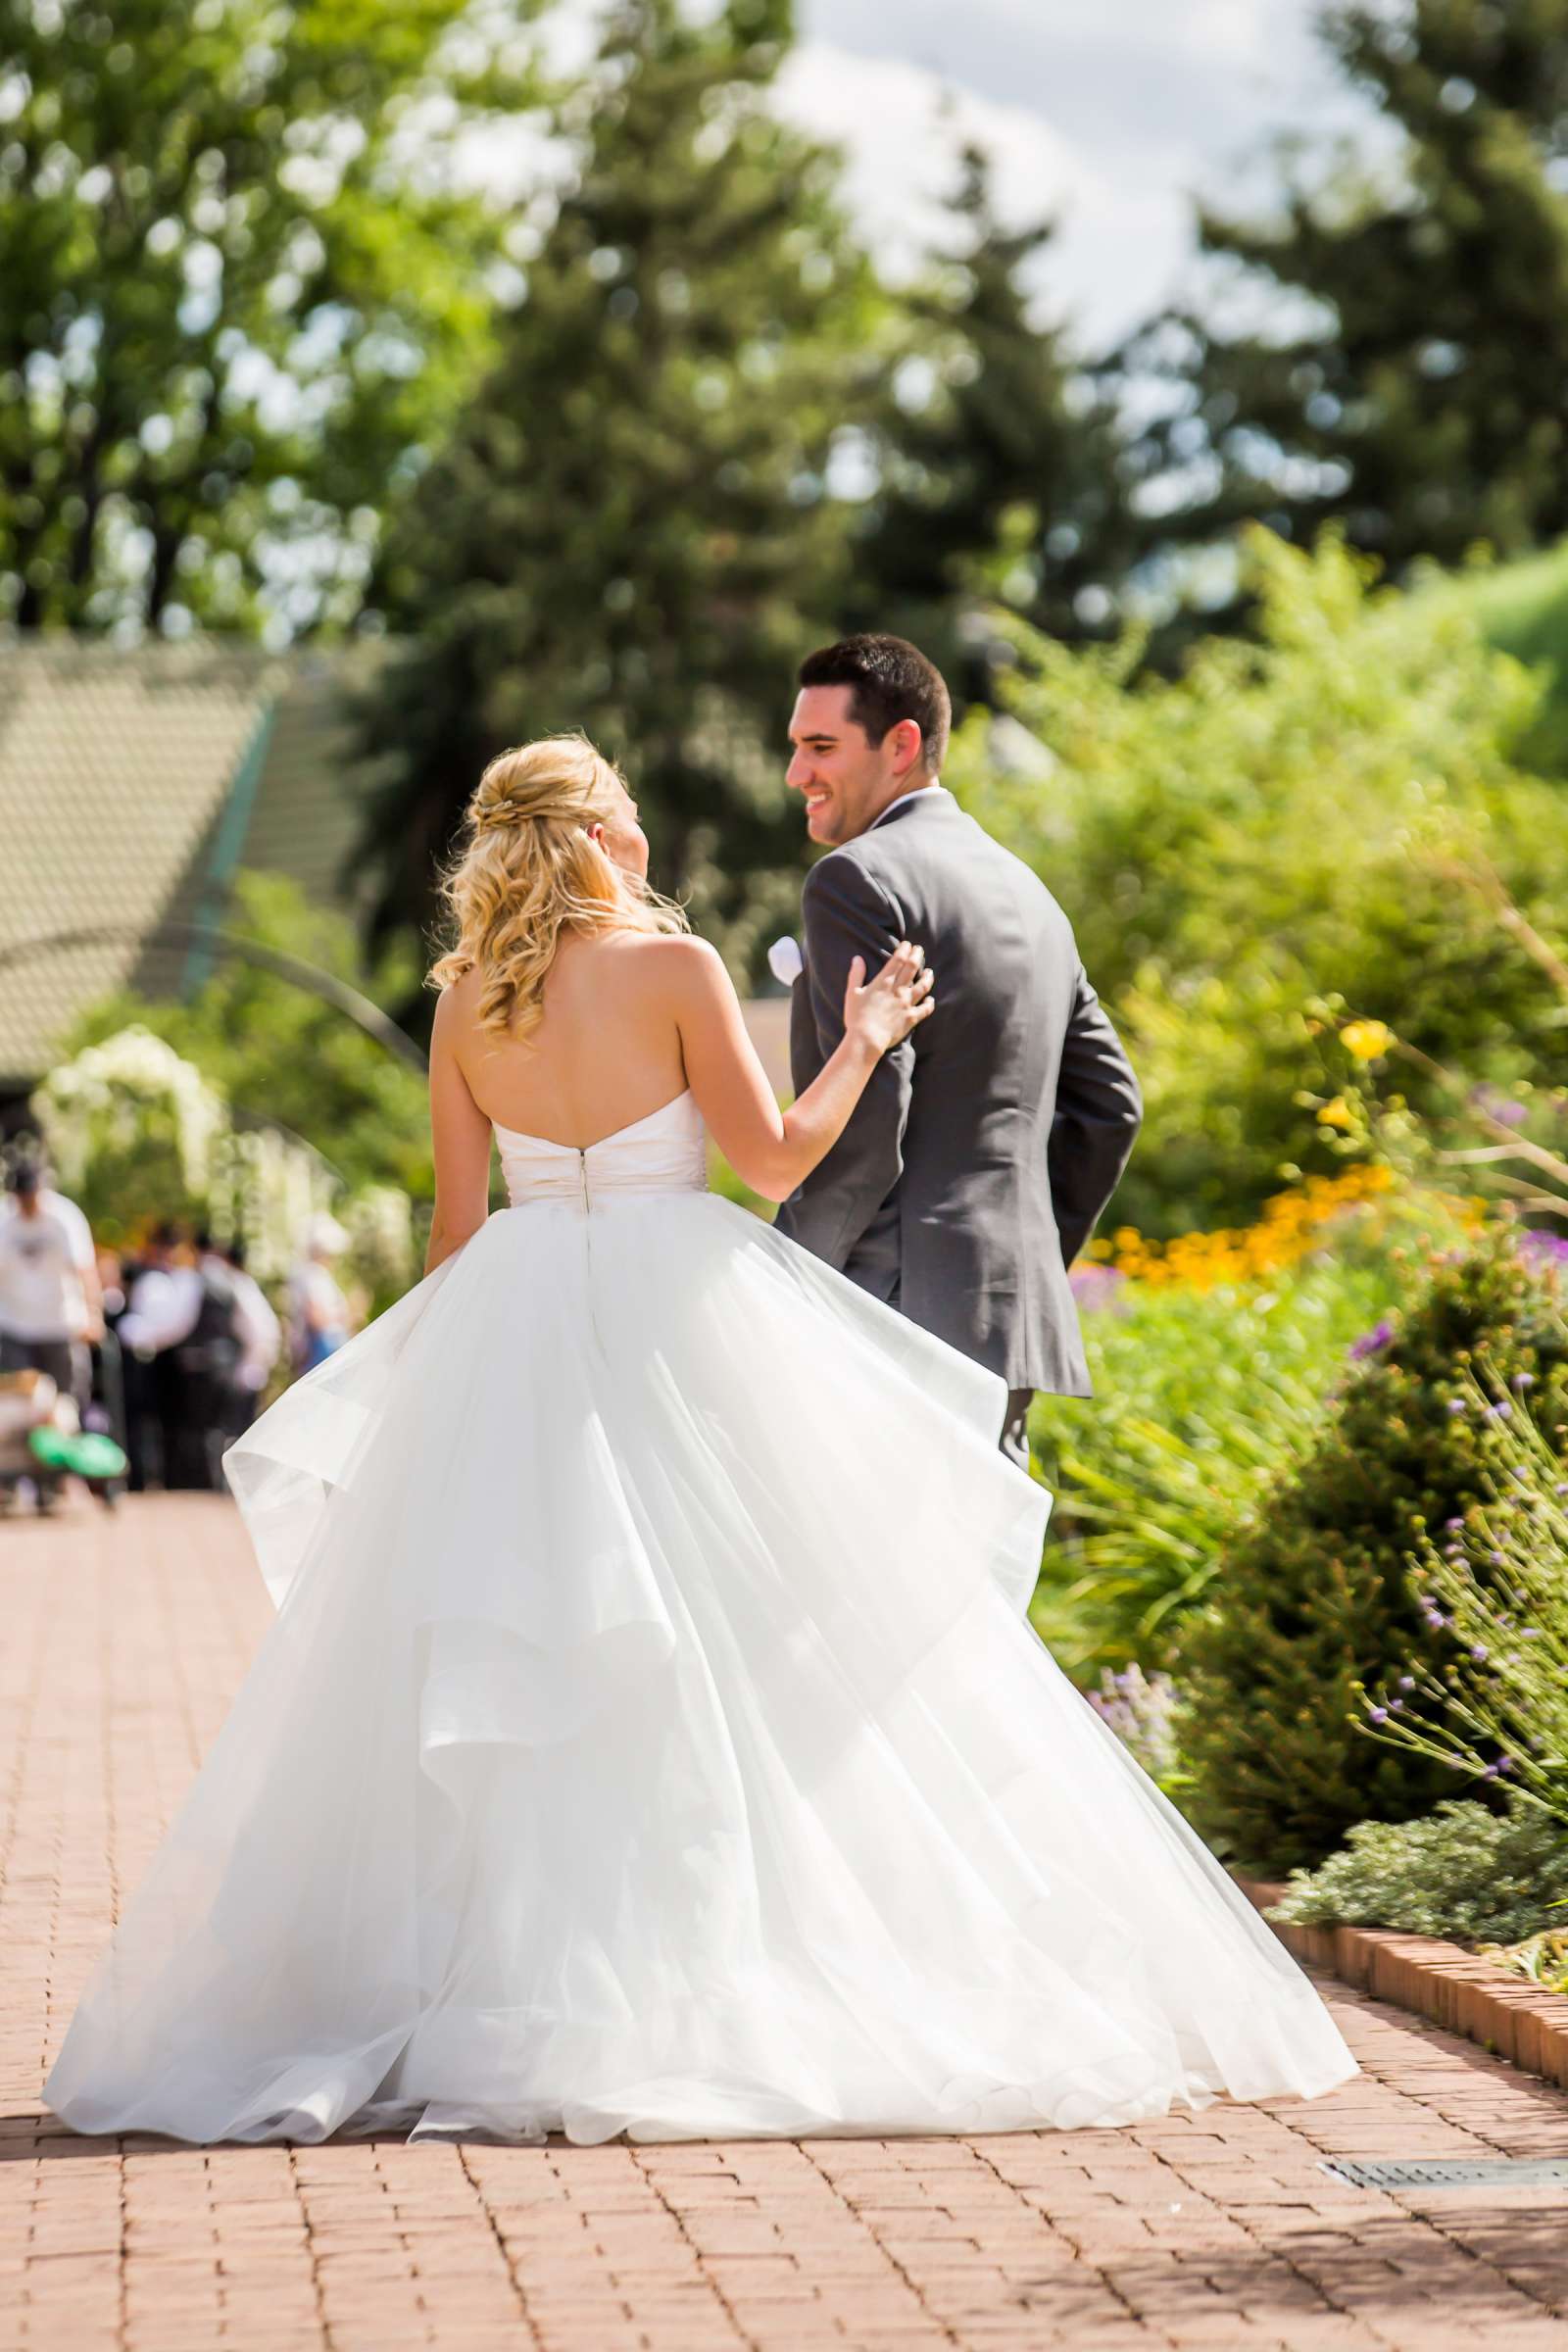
(921, 792)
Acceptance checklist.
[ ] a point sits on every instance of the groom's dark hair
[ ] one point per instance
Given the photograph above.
(889, 679)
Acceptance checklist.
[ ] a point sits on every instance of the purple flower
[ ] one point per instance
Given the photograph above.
(1479, 1653)
(1407, 1682)
(1373, 1341)
(1524, 1380)
(1456, 1405)
(1095, 1287)
(1379, 1715)
(1500, 1412)
(1452, 1524)
(1552, 1246)
(1499, 1106)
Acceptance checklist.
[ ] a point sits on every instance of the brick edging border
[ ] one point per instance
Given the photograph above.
(1440, 1981)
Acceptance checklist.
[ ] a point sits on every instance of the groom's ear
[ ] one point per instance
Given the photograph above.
(907, 744)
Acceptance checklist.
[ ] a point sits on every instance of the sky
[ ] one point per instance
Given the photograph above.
(1106, 114)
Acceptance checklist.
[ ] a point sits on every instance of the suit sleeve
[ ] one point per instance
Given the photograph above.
(846, 914)
(1098, 1111)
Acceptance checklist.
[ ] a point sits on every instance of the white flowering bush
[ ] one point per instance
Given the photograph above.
(132, 1129)
(137, 1133)
(268, 1187)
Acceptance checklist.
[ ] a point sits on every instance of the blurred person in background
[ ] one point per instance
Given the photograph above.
(319, 1315)
(207, 1357)
(260, 1337)
(163, 1298)
(51, 1304)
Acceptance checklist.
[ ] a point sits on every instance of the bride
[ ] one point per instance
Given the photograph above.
(651, 1737)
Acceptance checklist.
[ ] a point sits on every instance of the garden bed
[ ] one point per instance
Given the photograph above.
(1454, 1987)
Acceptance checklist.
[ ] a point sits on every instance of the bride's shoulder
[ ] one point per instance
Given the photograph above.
(458, 1023)
(457, 1003)
(677, 960)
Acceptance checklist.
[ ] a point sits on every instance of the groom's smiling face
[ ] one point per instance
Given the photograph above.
(846, 779)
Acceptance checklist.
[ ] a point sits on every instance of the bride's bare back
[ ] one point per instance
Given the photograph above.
(606, 1052)
(630, 1019)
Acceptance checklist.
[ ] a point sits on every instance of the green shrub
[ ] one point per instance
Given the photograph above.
(1271, 828)
(1317, 1594)
(1203, 1399)
(1494, 1583)
(1461, 1871)
(1522, 608)
(1542, 1960)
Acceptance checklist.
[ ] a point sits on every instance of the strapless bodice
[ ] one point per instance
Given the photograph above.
(665, 1153)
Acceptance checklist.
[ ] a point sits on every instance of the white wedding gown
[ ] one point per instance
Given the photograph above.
(651, 1737)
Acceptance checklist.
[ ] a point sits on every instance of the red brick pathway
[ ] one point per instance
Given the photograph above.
(123, 1640)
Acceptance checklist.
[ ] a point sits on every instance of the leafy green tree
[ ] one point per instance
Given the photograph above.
(631, 530)
(999, 461)
(1407, 376)
(230, 308)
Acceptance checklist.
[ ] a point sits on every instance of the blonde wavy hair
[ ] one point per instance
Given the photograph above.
(528, 869)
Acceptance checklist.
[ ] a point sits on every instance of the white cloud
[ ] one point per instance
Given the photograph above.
(902, 127)
(1111, 113)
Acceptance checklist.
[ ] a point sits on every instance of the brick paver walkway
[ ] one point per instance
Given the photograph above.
(123, 1640)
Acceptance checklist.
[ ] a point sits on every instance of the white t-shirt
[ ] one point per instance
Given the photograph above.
(161, 1309)
(42, 1262)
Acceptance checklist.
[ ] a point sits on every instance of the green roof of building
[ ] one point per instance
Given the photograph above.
(135, 783)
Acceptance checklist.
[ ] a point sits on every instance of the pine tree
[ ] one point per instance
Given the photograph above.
(631, 530)
(999, 459)
(1413, 383)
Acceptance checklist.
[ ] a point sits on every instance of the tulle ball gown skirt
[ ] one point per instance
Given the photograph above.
(650, 1739)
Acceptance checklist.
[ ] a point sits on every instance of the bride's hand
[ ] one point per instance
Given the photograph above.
(882, 1011)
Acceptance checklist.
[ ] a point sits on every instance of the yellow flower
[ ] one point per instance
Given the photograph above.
(1288, 1228)
(1366, 1039)
(1335, 1113)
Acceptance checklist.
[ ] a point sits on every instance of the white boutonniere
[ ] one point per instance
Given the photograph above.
(785, 961)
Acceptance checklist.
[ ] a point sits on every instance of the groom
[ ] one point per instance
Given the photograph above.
(986, 1145)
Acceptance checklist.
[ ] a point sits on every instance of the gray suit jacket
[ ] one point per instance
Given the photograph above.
(986, 1145)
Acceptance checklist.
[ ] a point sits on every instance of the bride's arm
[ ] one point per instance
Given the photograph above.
(460, 1140)
(770, 1150)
